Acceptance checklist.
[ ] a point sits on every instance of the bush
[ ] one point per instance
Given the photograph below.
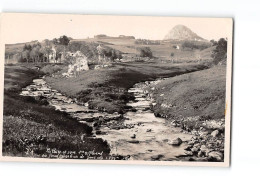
(220, 53)
(50, 69)
(145, 52)
(21, 60)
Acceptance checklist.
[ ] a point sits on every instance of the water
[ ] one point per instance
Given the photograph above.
(140, 134)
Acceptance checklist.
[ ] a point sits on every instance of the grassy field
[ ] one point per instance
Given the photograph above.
(31, 126)
(106, 89)
(200, 93)
(162, 51)
(130, 49)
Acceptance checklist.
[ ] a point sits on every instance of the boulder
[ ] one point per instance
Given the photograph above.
(133, 141)
(175, 142)
(156, 157)
(195, 149)
(203, 148)
(188, 153)
(115, 127)
(197, 145)
(191, 142)
(188, 148)
(98, 132)
(148, 130)
(165, 140)
(200, 154)
(95, 124)
(216, 156)
(133, 136)
(215, 133)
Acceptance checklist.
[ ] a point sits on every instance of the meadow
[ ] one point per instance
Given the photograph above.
(106, 89)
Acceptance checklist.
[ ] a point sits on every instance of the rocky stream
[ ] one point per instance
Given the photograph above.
(137, 134)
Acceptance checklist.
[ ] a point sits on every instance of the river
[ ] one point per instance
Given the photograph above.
(137, 134)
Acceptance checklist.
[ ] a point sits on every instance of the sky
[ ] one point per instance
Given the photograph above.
(20, 27)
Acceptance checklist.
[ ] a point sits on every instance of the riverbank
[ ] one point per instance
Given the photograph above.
(31, 127)
(106, 89)
(112, 90)
(196, 103)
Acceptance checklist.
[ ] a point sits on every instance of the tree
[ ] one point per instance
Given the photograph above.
(26, 52)
(27, 47)
(59, 50)
(19, 57)
(146, 52)
(47, 48)
(64, 40)
(55, 41)
(26, 55)
(35, 53)
(214, 43)
(36, 45)
(220, 53)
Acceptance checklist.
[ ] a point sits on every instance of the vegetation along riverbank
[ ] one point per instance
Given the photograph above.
(31, 127)
(106, 89)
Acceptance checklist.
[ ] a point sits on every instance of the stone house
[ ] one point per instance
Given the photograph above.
(79, 62)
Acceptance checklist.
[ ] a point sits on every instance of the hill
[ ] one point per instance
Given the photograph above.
(181, 32)
(17, 47)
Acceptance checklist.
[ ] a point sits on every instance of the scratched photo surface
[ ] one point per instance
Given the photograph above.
(116, 88)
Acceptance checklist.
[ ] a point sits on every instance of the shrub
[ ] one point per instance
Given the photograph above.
(220, 53)
(145, 52)
(50, 69)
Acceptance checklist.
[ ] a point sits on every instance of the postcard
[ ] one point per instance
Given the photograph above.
(116, 89)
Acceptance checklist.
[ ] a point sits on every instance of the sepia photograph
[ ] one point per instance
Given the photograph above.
(116, 89)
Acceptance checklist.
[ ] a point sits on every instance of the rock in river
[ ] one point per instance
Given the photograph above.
(133, 141)
(215, 133)
(133, 136)
(156, 157)
(188, 153)
(188, 148)
(175, 142)
(216, 156)
(148, 130)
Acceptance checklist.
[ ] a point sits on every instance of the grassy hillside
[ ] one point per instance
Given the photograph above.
(15, 48)
(200, 93)
(106, 89)
(31, 126)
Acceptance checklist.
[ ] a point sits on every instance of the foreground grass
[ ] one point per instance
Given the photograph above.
(106, 89)
(27, 138)
(31, 127)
